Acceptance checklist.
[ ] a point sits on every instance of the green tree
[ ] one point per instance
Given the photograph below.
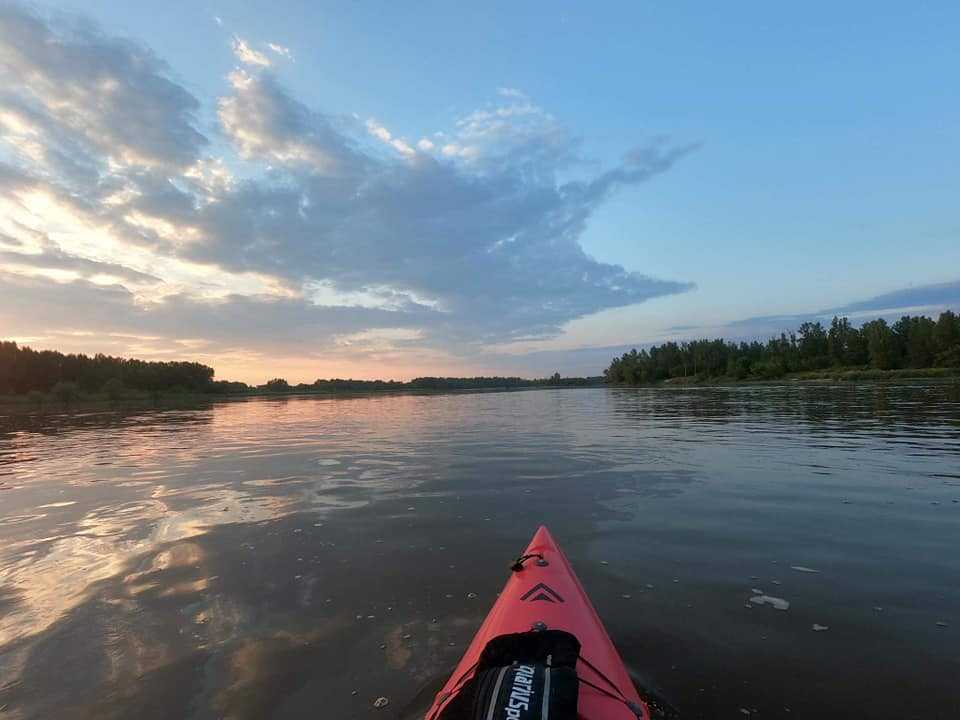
(947, 333)
(814, 345)
(845, 343)
(921, 346)
(738, 367)
(914, 341)
(65, 392)
(949, 358)
(113, 389)
(880, 343)
(277, 385)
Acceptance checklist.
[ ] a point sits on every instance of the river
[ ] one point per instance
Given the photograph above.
(301, 557)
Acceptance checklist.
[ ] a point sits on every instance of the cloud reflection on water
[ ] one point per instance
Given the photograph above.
(191, 472)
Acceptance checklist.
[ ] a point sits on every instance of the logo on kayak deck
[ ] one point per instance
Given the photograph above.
(542, 592)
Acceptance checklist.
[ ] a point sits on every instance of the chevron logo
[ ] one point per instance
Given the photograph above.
(542, 592)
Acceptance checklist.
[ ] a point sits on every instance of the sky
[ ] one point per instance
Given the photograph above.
(360, 189)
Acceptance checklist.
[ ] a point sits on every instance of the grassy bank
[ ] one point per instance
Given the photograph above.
(856, 374)
(139, 400)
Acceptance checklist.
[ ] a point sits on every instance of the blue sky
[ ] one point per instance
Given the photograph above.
(629, 169)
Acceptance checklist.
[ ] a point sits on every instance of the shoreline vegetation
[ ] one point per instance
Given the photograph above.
(837, 374)
(48, 379)
(178, 398)
(913, 347)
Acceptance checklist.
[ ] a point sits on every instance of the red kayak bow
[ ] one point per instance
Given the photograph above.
(542, 600)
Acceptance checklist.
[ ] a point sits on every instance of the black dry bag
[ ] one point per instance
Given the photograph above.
(523, 676)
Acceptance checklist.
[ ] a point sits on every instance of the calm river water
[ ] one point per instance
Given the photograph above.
(299, 558)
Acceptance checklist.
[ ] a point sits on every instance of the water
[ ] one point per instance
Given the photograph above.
(303, 557)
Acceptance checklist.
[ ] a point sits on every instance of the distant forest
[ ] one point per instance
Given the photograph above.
(25, 371)
(911, 342)
(430, 383)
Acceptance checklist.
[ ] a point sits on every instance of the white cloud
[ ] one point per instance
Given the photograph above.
(281, 51)
(477, 242)
(49, 259)
(286, 324)
(247, 55)
(384, 135)
(378, 131)
(402, 147)
(267, 124)
(90, 102)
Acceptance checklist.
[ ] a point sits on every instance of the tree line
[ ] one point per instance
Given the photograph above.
(911, 342)
(24, 371)
(279, 385)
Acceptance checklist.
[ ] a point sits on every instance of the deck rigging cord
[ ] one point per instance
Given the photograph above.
(634, 707)
(517, 565)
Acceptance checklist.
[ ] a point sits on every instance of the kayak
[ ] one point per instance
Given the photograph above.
(542, 652)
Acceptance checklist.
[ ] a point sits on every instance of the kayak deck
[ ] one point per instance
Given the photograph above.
(544, 593)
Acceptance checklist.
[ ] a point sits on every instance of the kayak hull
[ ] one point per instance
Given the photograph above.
(546, 593)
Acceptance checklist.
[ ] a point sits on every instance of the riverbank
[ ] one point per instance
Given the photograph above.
(831, 375)
(138, 400)
(170, 400)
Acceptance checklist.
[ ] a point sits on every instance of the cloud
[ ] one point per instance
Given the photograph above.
(265, 123)
(494, 243)
(89, 101)
(261, 323)
(471, 238)
(938, 295)
(52, 257)
(247, 55)
(500, 257)
(281, 51)
(921, 299)
(516, 133)
(381, 133)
